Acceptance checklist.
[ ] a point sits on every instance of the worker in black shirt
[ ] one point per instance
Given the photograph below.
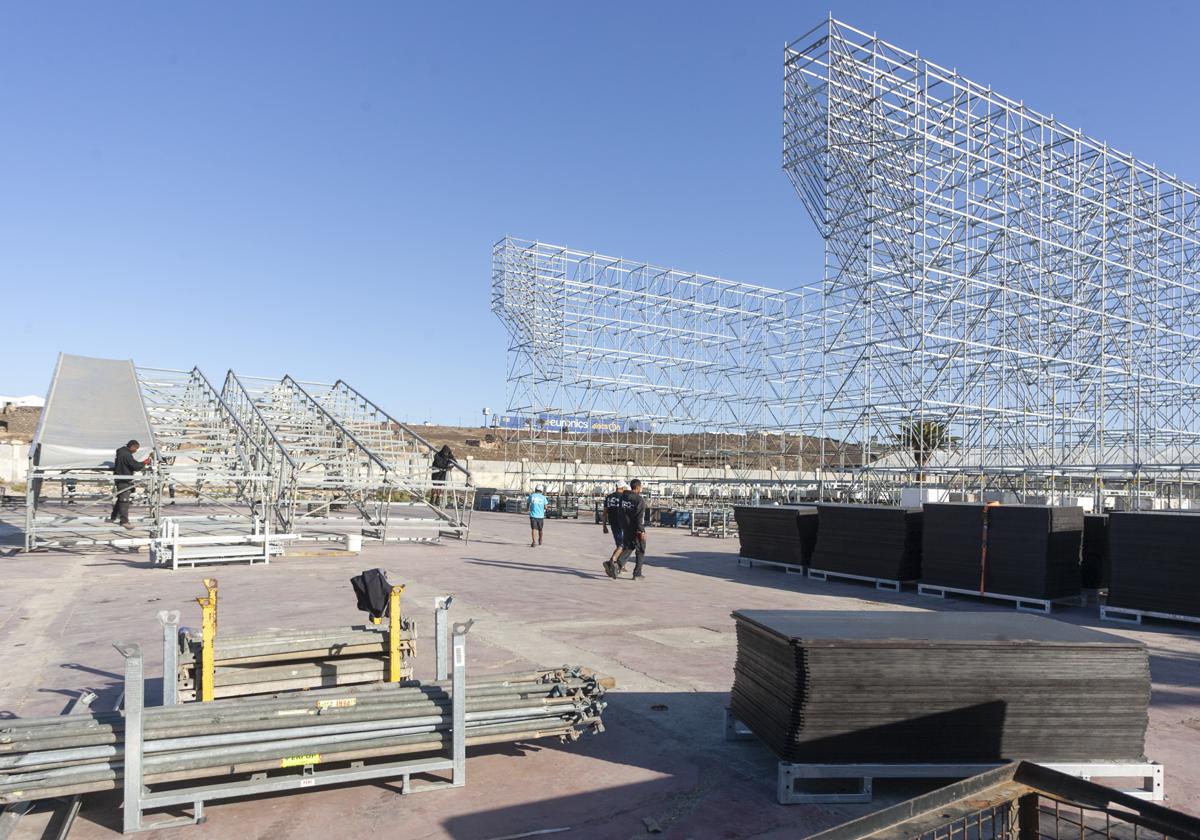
(633, 515)
(443, 461)
(126, 464)
(612, 520)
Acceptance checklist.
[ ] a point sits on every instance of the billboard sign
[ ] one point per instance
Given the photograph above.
(570, 424)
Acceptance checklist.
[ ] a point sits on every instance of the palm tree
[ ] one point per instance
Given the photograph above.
(923, 438)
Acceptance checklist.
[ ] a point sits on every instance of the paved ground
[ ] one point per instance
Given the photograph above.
(667, 640)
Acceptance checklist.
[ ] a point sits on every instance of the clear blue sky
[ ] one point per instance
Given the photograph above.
(313, 188)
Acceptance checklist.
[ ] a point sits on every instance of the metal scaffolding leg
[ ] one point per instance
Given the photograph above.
(131, 751)
(441, 619)
(169, 619)
(458, 703)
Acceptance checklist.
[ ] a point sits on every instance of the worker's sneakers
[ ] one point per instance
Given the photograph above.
(610, 569)
(128, 526)
(639, 577)
(533, 545)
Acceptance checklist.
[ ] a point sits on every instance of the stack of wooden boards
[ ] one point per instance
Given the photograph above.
(291, 660)
(781, 534)
(874, 541)
(1155, 562)
(1027, 551)
(904, 687)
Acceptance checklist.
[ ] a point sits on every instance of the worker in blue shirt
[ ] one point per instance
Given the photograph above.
(537, 515)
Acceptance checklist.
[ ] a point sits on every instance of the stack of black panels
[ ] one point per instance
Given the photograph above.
(1155, 562)
(952, 545)
(911, 687)
(876, 541)
(1093, 568)
(777, 533)
(1033, 551)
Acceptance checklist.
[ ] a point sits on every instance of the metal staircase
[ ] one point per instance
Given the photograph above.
(408, 455)
(282, 492)
(332, 481)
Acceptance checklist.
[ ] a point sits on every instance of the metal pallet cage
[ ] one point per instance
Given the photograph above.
(1021, 801)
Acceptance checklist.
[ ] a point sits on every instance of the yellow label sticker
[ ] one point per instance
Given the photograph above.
(300, 760)
(340, 703)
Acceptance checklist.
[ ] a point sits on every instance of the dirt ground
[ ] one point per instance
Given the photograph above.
(667, 640)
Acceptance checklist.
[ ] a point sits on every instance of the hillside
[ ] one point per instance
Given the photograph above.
(692, 450)
(18, 423)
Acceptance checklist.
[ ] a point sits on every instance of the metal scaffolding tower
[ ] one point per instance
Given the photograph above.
(607, 355)
(992, 271)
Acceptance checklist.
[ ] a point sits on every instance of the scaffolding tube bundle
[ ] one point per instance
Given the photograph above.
(50, 757)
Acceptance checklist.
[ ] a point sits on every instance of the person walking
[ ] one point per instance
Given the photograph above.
(611, 519)
(125, 464)
(537, 515)
(633, 518)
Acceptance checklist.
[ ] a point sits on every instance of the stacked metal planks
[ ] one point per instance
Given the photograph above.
(1155, 561)
(874, 541)
(782, 534)
(905, 687)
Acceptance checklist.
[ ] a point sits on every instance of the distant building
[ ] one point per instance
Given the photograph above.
(29, 401)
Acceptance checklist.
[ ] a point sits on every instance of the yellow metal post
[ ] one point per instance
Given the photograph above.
(394, 661)
(208, 639)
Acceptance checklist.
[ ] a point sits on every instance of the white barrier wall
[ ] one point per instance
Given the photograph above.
(14, 462)
(515, 475)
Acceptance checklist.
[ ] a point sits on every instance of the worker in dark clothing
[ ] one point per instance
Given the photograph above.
(443, 460)
(126, 464)
(612, 520)
(633, 517)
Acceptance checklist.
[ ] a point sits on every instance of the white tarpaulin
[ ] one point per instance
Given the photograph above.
(94, 407)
